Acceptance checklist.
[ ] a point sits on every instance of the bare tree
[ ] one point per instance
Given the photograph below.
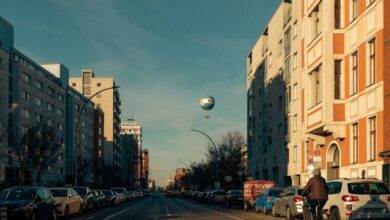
(37, 150)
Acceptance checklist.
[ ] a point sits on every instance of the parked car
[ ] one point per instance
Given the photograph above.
(28, 202)
(117, 198)
(99, 199)
(68, 201)
(217, 196)
(121, 193)
(233, 198)
(87, 196)
(265, 200)
(357, 199)
(252, 189)
(146, 193)
(289, 203)
(109, 198)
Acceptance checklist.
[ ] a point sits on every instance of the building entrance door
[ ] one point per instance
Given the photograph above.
(333, 162)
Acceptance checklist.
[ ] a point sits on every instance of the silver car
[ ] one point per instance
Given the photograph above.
(289, 203)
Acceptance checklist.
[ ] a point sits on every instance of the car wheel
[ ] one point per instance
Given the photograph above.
(53, 214)
(81, 210)
(264, 210)
(273, 211)
(334, 214)
(289, 215)
(66, 213)
(246, 206)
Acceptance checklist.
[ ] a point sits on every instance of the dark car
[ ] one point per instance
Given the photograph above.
(99, 200)
(109, 198)
(88, 197)
(217, 196)
(27, 202)
(233, 198)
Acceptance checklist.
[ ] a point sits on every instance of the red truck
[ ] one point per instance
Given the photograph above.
(252, 189)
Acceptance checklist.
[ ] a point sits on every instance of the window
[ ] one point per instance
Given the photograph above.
(287, 70)
(100, 131)
(295, 91)
(49, 122)
(316, 86)
(49, 107)
(371, 72)
(354, 9)
(38, 101)
(355, 149)
(295, 153)
(26, 113)
(26, 77)
(60, 170)
(372, 138)
(100, 119)
(100, 142)
(280, 46)
(337, 14)
(76, 107)
(60, 97)
(60, 127)
(287, 103)
(334, 187)
(24, 129)
(287, 129)
(315, 20)
(280, 101)
(38, 84)
(295, 60)
(38, 118)
(287, 42)
(50, 91)
(26, 95)
(83, 123)
(295, 29)
(60, 112)
(99, 95)
(74, 84)
(83, 136)
(98, 84)
(280, 130)
(295, 122)
(337, 79)
(354, 86)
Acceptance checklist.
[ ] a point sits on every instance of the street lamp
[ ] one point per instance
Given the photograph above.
(77, 126)
(215, 147)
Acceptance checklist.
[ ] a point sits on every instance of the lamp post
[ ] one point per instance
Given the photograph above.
(216, 150)
(77, 126)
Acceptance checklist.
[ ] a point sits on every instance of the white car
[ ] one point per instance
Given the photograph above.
(121, 193)
(357, 199)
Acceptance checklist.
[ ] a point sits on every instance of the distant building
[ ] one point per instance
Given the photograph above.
(109, 101)
(145, 169)
(134, 128)
(98, 146)
(129, 152)
(244, 160)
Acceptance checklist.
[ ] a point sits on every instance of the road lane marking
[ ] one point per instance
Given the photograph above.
(124, 210)
(166, 207)
(217, 212)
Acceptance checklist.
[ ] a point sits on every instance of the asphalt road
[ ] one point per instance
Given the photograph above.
(162, 208)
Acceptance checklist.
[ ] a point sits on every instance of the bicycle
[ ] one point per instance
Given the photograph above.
(308, 214)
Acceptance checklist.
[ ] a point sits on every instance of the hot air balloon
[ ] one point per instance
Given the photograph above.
(207, 103)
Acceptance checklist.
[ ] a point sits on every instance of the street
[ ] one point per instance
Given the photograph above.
(171, 208)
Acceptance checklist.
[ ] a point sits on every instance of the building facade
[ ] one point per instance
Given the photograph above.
(129, 152)
(334, 90)
(6, 45)
(134, 128)
(109, 102)
(98, 146)
(145, 169)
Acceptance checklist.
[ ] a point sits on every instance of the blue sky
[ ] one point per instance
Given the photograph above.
(165, 55)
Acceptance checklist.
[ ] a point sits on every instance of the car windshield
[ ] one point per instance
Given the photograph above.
(119, 190)
(107, 193)
(368, 188)
(274, 192)
(81, 191)
(59, 192)
(18, 194)
(299, 192)
(236, 192)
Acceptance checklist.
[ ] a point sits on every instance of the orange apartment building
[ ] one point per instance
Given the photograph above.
(342, 88)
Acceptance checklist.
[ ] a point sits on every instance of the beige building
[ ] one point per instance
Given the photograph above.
(334, 97)
(109, 102)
